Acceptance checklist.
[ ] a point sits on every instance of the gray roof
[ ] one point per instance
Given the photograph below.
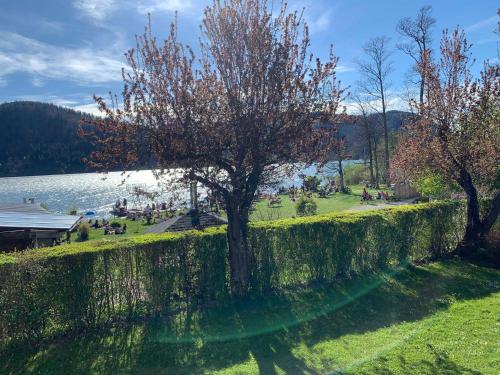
(37, 220)
(184, 222)
(22, 207)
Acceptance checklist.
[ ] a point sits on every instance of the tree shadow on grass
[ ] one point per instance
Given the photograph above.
(266, 329)
(439, 363)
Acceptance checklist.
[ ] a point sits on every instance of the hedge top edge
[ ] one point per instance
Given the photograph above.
(149, 239)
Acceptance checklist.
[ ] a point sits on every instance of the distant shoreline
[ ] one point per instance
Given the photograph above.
(72, 173)
(355, 161)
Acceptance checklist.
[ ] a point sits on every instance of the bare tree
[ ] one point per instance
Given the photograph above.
(339, 154)
(376, 70)
(368, 134)
(234, 120)
(417, 33)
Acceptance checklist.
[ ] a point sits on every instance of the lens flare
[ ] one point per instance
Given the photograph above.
(239, 323)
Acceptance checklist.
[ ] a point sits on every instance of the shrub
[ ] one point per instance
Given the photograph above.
(311, 183)
(434, 186)
(83, 231)
(59, 290)
(73, 211)
(355, 174)
(347, 190)
(306, 206)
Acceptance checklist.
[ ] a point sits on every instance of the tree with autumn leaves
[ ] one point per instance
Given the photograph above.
(457, 135)
(232, 119)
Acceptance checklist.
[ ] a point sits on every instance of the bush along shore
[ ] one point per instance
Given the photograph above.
(68, 289)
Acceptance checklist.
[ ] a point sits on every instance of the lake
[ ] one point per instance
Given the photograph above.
(94, 191)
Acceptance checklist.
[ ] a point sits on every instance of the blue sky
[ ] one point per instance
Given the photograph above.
(64, 51)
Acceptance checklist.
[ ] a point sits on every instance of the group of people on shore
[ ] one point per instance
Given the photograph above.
(119, 203)
(381, 195)
(149, 212)
(109, 228)
(97, 225)
(117, 229)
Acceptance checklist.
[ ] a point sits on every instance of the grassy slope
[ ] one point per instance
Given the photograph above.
(440, 318)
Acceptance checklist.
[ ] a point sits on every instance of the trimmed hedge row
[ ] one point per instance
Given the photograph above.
(69, 288)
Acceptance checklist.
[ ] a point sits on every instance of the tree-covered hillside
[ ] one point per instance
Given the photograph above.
(355, 136)
(40, 138)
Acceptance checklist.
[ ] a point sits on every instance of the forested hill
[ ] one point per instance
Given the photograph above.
(355, 135)
(40, 138)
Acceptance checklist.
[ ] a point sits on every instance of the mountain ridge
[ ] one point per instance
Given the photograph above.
(41, 138)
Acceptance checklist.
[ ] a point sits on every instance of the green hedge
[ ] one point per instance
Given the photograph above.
(69, 288)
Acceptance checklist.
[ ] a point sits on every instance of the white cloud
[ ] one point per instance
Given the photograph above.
(96, 9)
(6, 64)
(87, 108)
(153, 6)
(487, 22)
(99, 10)
(80, 65)
(395, 102)
(62, 101)
(322, 23)
(38, 82)
(319, 15)
(48, 98)
(73, 101)
(487, 40)
(344, 68)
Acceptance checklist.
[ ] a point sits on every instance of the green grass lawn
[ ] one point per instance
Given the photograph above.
(134, 228)
(334, 203)
(435, 319)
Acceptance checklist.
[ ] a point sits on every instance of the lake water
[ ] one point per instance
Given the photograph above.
(94, 191)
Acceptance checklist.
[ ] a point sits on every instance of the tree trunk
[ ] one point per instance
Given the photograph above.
(370, 151)
(341, 177)
(386, 142)
(239, 255)
(375, 155)
(422, 88)
(370, 155)
(476, 229)
(423, 57)
(473, 227)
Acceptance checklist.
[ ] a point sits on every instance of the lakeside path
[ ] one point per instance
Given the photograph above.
(378, 206)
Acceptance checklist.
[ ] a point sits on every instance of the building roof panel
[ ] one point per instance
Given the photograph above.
(22, 207)
(37, 220)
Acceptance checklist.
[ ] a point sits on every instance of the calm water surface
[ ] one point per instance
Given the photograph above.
(93, 191)
(84, 191)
